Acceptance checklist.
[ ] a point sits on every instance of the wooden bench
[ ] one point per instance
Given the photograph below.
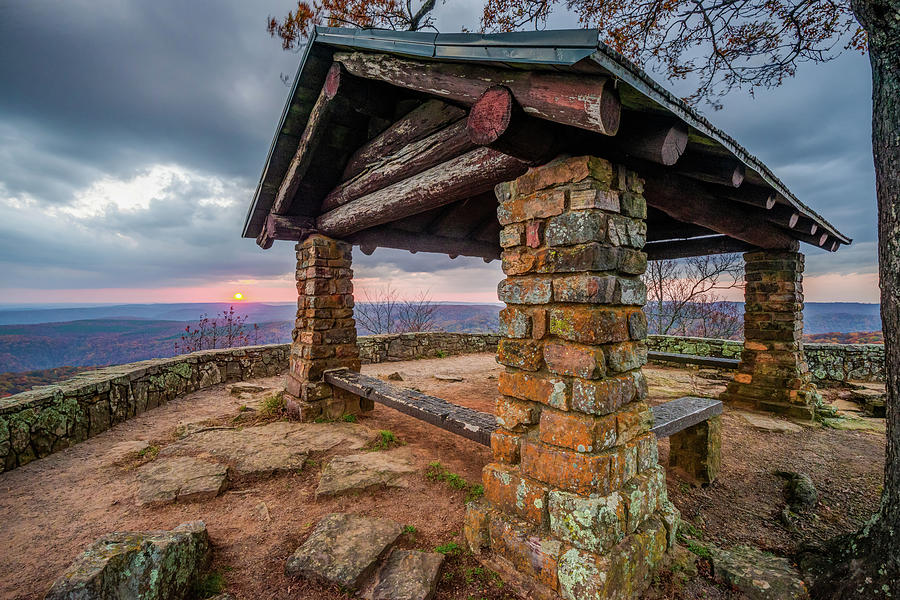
(691, 423)
(690, 359)
(467, 422)
(695, 431)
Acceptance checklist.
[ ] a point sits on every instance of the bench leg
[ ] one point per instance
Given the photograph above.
(697, 451)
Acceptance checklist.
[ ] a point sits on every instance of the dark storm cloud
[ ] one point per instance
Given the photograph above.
(97, 96)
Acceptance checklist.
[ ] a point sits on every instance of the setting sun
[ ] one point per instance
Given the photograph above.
(238, 296)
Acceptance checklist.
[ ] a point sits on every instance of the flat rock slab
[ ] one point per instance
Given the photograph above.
(181, 479)
(248, 388)
(760, 576)
(269, 449)
(123, 450)
(344, 549)
(360, 472)
(448, 377)
(407, 575)
(152, 565)
(767, 423)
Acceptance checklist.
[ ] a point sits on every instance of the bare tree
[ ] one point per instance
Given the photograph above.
(417, 313)
(378, 314)
(683, 296)
(228, 327)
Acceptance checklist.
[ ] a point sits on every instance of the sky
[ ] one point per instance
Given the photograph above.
(132, 136)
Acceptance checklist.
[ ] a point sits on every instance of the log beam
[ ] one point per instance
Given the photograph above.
(584, 101)
(658, 141)
(473, 173)
(387, 237)
(419, 123)
(337, 83)
(497, 121)
(725, 171)
(409, 160)
(688, 201)
(703, 246)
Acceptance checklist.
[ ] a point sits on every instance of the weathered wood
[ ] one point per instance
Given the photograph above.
(466, 422)
(417, 124)
(658, 141)
(585, 101)
(687, 200)
(331, 97)
(750, 195)
(702, 246)
(725, 171)
(386, 237)
(465, 218)
(784, 216)
(409, 160)
(677, 415)
(819, 239)
(473, 173)
(691, 359)
(496, 120)
(280, 227)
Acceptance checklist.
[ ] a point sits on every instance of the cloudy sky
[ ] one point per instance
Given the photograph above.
(132, 135)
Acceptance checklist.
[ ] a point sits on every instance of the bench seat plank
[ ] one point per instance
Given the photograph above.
(677, 415)
(690, 359)
(469, 423)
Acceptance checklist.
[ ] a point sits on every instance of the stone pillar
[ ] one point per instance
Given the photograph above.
(696, 452)
(575, 504)
(324, 335)
(773, 375)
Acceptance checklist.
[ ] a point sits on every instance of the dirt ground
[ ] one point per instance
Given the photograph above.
(52, 508)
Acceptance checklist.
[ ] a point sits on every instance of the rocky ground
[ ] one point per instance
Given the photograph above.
(262, 485)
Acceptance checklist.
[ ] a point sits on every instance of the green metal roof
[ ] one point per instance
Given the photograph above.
(573, 50)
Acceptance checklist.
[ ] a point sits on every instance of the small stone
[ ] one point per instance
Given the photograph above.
(155, 565)
(800, 491)
(448, 377)
(344, 549)
(362, 472)
(395, 376)
(247, 388)
(408, 575)
(261, 511)
(183, 479)
(758, 575)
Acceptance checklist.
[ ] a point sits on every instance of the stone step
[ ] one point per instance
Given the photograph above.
(344, 550)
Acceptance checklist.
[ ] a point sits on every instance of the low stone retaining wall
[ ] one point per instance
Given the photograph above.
(829, 363)
(407, 346)
(41, 421)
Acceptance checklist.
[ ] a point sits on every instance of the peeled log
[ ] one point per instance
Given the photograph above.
(585, 101)
(714, 169)
(417, 124)
(703, 246)
(473, 173)
(686, 200)
(411, 159)
(661, 142)
(386, 237)
(496, 120)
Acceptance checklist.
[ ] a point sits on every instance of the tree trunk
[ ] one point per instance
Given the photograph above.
(871, 561)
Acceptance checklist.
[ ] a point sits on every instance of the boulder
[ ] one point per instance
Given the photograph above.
(800, 491)
(360, 472)
(151, 565)
(344, 549)
(407, 575)
(758, 575)
(181, 479)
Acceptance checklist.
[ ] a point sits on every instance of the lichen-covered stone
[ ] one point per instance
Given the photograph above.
(594, 523)
(182, 479)
(152, 565)
(759, 575)
(408, 575)
(360, 472)
(344, 549)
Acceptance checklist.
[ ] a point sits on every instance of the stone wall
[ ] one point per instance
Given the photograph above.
(406, 346)
(39, 422)
(828, 363)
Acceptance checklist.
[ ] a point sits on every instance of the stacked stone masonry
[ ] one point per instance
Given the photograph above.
(324, 335)
(575, 500)
(50, 418)
(773, 374)
(828, 363)
(39, 422)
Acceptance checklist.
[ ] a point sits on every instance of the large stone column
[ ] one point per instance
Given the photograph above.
(575, 504)
(324, 335)
(773, 375)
